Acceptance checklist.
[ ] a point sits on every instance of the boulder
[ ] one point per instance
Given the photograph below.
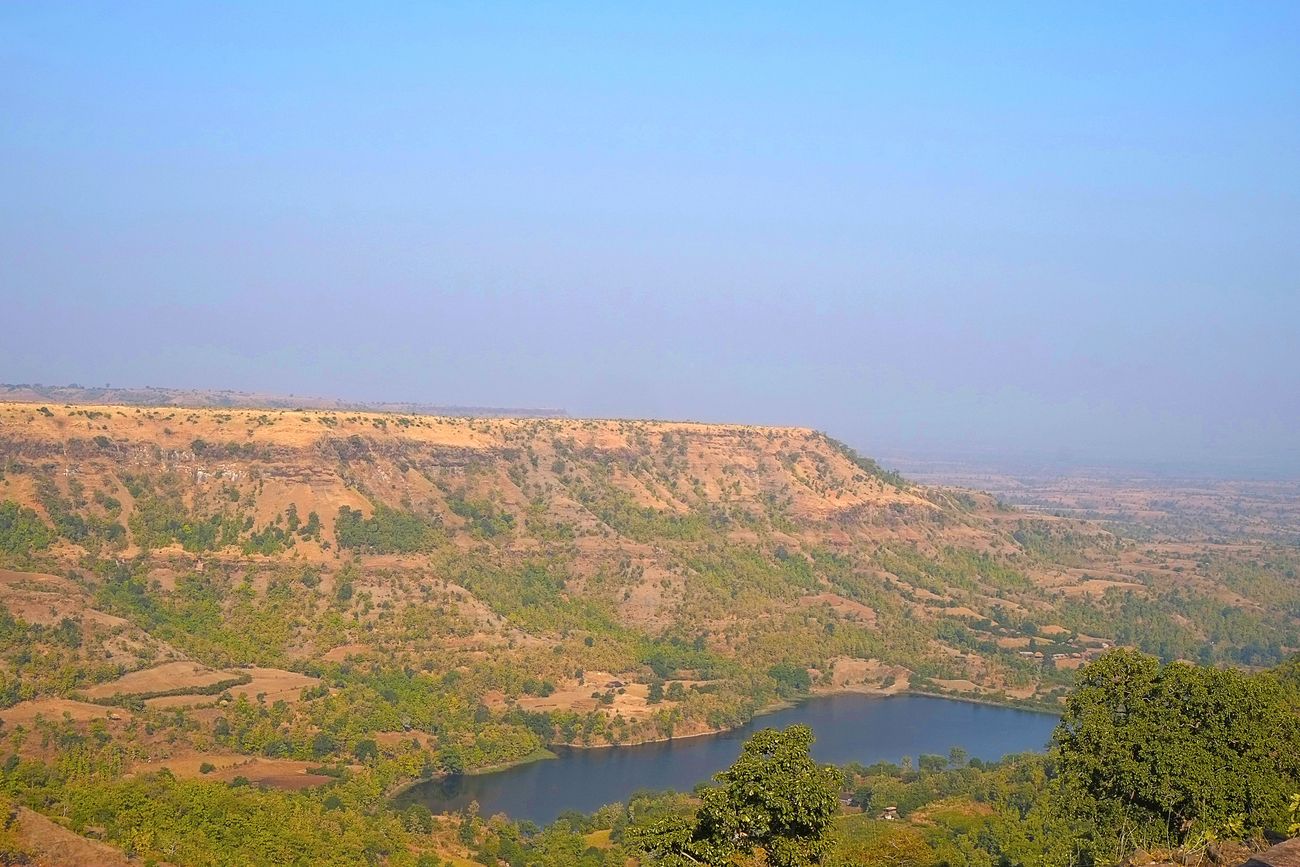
(1282, 855)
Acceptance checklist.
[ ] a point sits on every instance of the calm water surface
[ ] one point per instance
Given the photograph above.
(849, 728)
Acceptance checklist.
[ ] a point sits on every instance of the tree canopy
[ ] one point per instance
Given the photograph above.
(774, 797)
(1150, 751)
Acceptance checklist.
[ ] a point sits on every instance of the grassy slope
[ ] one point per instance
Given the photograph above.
(496, 559)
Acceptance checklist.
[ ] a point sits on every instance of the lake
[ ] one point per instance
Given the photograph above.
(849, 728)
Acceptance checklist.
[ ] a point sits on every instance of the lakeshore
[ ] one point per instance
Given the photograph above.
(850, 727)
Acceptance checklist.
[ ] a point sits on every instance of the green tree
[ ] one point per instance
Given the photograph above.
(1150, 752)
(322, 745)
(931, 763)
(775, 797)
(451, 759)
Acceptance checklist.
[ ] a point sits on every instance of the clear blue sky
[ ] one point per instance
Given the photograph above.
(1041, 229)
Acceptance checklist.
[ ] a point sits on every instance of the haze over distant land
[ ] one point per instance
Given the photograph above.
(1026, 233)
(159, 396)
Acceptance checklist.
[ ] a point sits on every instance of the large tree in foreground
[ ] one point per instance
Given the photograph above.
(774, 798)
(1158, 753)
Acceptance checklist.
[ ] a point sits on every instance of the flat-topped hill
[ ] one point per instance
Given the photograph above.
(474, 479)
(530, 580)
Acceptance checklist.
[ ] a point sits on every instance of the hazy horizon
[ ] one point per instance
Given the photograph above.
(1016, 231)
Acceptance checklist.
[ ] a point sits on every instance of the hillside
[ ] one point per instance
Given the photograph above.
(269, 589)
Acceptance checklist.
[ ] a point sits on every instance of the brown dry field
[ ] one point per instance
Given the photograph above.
(343, 651)
(273, 684)
(393, 739)
(847, 607)
(287, 774)
(161, 678)
(276, 683)
(571, 695)
(866, 675)
(25, 712)
(960, 685)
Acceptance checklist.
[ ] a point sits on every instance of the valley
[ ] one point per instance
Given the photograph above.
(568, 568)
(298, 600)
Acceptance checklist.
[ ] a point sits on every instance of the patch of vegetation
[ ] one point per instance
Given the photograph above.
(161, 518)
(22, 531)
(70, 521)
(532, 595)
(47, 660)
(484, 519)
(217, 624)
(387, 531)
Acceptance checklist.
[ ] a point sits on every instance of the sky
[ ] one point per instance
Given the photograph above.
(1030, 231)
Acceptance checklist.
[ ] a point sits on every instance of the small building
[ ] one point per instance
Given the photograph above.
(890, 814)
